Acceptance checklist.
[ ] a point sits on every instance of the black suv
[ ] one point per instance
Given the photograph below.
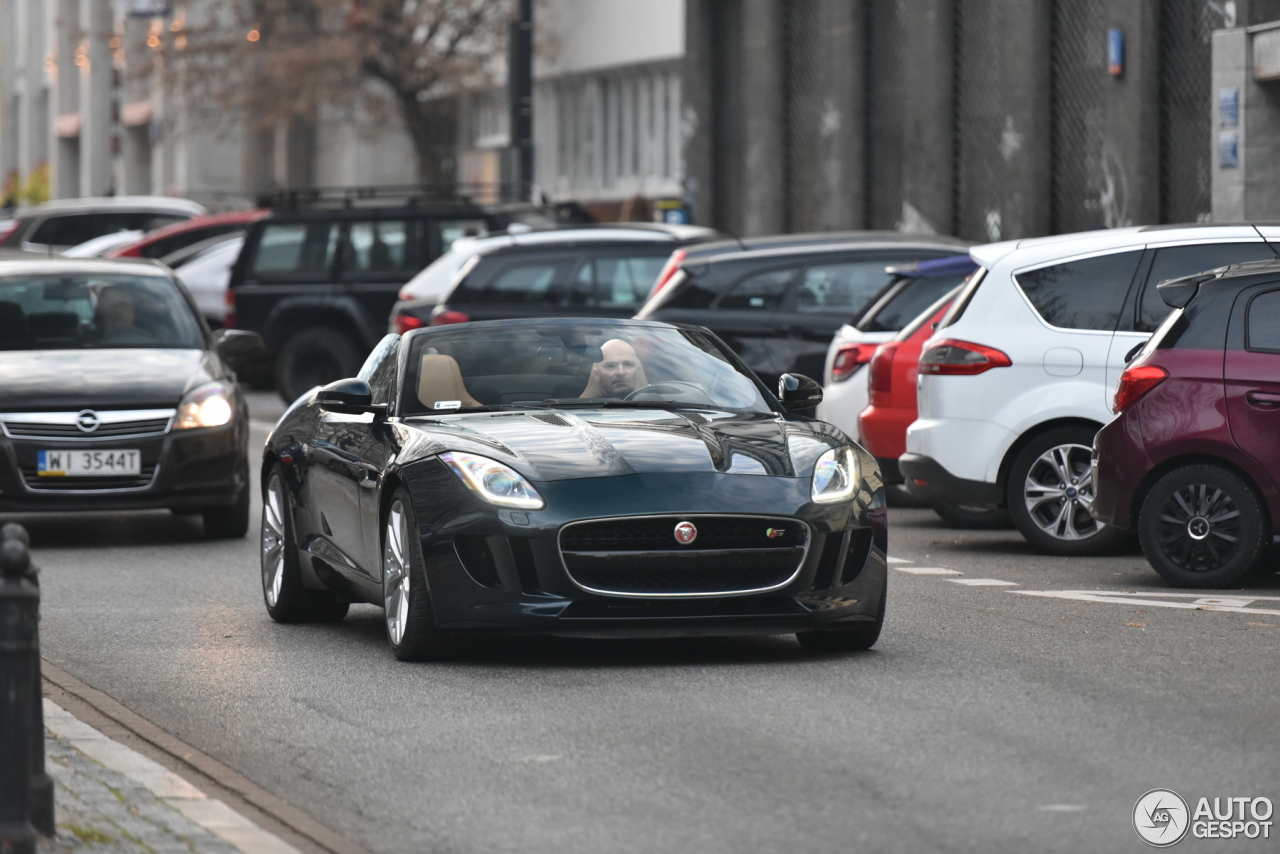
(317, 283)
(779, 308)
(602, 271)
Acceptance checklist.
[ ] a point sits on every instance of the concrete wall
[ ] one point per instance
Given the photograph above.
(1249, 190)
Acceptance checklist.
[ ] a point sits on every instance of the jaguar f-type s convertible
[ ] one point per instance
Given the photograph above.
(592, 478)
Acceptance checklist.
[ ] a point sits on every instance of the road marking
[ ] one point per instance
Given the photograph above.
(898, 560)
(982, 582)
(927, 570)
(1231, 604)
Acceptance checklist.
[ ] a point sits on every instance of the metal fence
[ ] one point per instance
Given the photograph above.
(1086, 191)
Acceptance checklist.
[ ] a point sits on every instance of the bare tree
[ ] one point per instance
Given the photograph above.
(288, 60)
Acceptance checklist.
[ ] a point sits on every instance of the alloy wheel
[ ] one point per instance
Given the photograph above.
(1058, 491)
(273, 540)
(395, 573)
(1199, 528)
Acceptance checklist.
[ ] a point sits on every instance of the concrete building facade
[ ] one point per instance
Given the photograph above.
(988, 119)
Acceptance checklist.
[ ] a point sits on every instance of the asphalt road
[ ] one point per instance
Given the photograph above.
(989, 718)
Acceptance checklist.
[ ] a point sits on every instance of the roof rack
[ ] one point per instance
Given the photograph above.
(409, 195)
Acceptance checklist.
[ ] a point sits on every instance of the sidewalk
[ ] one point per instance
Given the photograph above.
(110, 798)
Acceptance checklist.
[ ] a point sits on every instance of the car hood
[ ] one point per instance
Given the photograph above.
(566, 444)
(53, 380)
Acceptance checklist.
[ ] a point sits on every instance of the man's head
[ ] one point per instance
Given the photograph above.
(620, 371)
(117, 309)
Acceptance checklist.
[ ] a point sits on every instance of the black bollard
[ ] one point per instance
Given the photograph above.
(19, 677)
(40, 807)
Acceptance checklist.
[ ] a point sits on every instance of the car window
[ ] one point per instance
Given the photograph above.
(533, 281)
(70, 230)
(1175, 262)
(75, 311)
(1084, 294)
(455, 229)
(841, 288)
(759, 291)
(1262, 323)
(296, 247)
(373, 246)
(615, 282)
(379, 370)
(910, 300)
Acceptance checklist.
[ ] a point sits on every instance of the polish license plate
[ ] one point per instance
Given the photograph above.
(83, 463)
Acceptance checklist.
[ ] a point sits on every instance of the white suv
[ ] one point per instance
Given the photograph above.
(1020, 373)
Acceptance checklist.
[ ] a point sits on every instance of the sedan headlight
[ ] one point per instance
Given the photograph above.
(207, 406)
(493, 481)
(836, 476)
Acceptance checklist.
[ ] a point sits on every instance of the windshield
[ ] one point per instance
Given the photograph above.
(573, 364)
(80, 311)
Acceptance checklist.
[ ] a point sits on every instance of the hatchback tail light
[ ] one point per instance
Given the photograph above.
(406, 322)
(5, 232)
(880, 373)
(668, 271)
(951, 358)
(444, 318)
(1136, 382)
(849, 358)
(229, 314)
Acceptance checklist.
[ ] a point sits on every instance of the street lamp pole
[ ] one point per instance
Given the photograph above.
(520, 97)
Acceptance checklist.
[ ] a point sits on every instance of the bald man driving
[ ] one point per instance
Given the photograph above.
(618, 374)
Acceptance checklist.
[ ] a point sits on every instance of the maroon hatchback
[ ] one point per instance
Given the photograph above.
(1193, 458)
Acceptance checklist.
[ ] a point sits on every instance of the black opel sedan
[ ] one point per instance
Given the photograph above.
(115, 396)
(594, 478)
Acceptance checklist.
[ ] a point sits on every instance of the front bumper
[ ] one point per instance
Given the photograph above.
(505, 571)
(927, 480)
(188, 470)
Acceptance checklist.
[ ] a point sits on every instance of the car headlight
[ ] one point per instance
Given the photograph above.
(836, 476)
(207, 406)
(493, 481)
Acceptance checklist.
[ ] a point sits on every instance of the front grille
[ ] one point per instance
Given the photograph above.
(36, 483)
(123, 430)
(62, 426)
(640, 556)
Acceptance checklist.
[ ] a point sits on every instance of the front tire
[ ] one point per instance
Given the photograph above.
(1202, 526)
(410, 621)
(973, 518)
(315, 356)
(229, 523)
(853, 638)
(1049, 493)
(286, 599)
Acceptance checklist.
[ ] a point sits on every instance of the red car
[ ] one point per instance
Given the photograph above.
(171, 238)
(891, 381)
(1192, 460)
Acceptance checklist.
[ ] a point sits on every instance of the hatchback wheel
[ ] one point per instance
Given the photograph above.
(1049, 493)
(411, 626)
(1202, 526)
(286, 599)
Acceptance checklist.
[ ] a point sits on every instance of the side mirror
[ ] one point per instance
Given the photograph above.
(235, 344)
(349, 397)
(1128, 357)
(798, 392)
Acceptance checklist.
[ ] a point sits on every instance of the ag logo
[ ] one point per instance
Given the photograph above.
(1161, 817)
(686, 533)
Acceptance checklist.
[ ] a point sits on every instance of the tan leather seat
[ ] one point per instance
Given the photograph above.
(440, 380)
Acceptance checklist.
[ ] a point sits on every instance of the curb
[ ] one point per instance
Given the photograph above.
(203, 789)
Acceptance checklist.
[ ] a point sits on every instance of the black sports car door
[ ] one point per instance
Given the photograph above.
(335, 472)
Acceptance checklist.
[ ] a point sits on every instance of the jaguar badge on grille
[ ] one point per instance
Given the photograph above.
(686, 533)
(774, 533)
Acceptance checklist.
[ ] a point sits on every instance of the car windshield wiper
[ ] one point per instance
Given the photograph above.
(614, 403)
(492, 407)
